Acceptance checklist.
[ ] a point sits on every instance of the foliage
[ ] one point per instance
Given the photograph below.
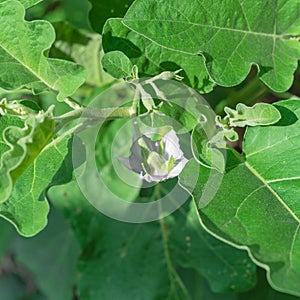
(103, 116)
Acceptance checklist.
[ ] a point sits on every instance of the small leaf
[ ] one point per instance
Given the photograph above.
(117, 64)
(206, 151)
(22, 59)
(259, 114)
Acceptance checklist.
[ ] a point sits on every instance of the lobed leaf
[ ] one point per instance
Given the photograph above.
(256, 207)
(144, 260)
(232, 35)
(22, 59)
(258, 114)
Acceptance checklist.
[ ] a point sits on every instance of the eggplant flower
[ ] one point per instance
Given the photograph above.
(156, 161)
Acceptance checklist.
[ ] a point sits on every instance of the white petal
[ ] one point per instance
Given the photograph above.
(172, 146)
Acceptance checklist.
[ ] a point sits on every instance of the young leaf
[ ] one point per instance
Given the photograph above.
(256, 207)
(22, 59)
(117, 64)
(153, 59)
(232, 35)
(206, 152)
(258, 114)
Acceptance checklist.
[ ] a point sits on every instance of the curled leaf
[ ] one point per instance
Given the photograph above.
(21, 142)
(258, 114)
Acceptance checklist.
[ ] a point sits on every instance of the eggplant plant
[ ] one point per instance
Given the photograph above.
(149, 149)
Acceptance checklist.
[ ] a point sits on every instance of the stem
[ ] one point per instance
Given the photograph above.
(108, 113)
(136, 102)
(95, 114)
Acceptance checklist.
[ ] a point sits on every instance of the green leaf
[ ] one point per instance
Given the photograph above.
(51, 257)
(227, 269)
(81, 47)
(22, 60)
(256, 207)
(27, 207)
(177, 116)
(143, 260)
(20, 145)
(231, 35)
(30, 3)
(117, 64)
(258, 114)
(26, 3)
(152, 59)
(101, 11)
(114, 253)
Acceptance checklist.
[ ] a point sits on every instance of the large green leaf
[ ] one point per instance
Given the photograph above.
(153, 59)
(27, 207)
(144, 260)
(232, 35)
(22, 59)
(225, 268)
(257, 205)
